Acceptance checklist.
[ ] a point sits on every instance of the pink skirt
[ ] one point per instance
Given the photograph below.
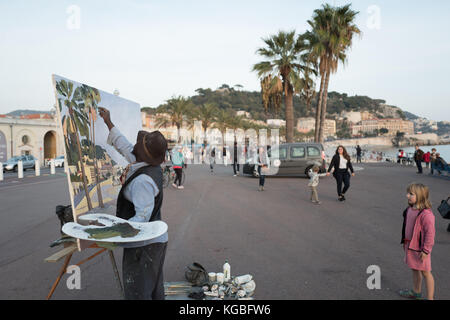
(412, 259)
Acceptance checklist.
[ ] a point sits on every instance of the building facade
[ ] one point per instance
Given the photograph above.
(392, 125)
(305, 125)
(36, 136)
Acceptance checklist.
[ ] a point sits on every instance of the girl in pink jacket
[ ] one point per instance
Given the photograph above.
(418, 239)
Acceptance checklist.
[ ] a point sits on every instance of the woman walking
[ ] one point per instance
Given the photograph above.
(262, 161)
(178, 163)
(340, 164)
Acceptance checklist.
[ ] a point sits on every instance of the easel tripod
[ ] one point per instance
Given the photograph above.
(68, 251)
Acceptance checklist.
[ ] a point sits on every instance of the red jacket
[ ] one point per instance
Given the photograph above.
(426, 157)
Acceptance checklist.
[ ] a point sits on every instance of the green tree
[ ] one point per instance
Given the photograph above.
(179, 109)
(284, 53)
(331, 36)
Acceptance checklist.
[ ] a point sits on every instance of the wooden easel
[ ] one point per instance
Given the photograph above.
(68, 251)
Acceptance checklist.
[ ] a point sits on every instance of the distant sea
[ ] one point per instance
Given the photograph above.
(391, 152)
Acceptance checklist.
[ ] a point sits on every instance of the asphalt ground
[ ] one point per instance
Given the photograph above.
(293, 248)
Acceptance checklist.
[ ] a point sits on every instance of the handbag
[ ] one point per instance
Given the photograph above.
(444, 209)
(196, 274)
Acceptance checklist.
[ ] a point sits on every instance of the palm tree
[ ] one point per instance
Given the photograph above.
(284, 53)
(76, 123)
(332, 32)
(206, 114)
(222, 121)
(178, 110)
(91, 97)
(272, 93)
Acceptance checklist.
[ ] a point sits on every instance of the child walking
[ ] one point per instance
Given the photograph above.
(418, 239)
(314, 182)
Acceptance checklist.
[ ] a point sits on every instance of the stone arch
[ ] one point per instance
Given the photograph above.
(50, 145)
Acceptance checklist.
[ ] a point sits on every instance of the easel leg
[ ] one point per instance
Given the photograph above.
(61, 273)
(116, 273)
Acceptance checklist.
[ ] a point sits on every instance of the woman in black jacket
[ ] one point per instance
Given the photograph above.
(341, 163)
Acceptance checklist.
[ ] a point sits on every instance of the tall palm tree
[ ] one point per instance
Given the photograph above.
(332, 32)
(90, 98)
(77, 122)
(222, 121)
(206, 114)
(272, 93)
(284, 52)
(178, 110)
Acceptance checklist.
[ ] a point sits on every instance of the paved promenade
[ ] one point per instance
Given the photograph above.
(294, 249)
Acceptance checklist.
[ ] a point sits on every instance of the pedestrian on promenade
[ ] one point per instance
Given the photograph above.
(341, 163)
(427, 158)
(235, 159)
(418, 234)
(433, 160)
(178, 164)
(212, 159)
(418, 157)
(262, 161)
(358, 154)
(441, 164)
(314, 176)
(140, 199)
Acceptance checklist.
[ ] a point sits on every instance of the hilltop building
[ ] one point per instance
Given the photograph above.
(392, 125)
(305, 125)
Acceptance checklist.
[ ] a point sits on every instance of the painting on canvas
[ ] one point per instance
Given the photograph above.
(93, 166)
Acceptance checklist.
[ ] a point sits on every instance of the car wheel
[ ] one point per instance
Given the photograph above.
(15, 169)
(307, 171)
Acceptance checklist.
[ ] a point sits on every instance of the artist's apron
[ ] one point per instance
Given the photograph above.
(142, 267)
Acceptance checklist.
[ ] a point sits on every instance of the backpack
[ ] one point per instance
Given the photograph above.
(444, 209)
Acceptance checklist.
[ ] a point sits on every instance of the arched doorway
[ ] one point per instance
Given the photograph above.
(50, 145)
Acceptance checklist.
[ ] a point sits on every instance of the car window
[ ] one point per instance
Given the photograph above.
(297, 152)
(282, 153)
(313, 152)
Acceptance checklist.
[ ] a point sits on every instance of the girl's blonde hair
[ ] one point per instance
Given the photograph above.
(422, 192)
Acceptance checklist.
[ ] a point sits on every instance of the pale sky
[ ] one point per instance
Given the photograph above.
(152, 50)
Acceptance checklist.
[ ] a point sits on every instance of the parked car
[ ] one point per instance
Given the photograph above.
(59, 161)
(13, 163)
(295, 159)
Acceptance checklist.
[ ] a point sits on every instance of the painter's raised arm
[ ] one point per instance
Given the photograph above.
(117, 139)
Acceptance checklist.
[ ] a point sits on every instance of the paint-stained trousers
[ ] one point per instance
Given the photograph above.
(142, 269)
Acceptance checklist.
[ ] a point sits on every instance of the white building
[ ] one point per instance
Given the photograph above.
(276, 123)
(36, 137)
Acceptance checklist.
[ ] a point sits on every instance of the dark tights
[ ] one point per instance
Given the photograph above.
(342, 175)
(179, 173)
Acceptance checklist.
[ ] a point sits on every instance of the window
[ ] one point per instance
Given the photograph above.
(313, 152)
(297, 152)
(25, 139)
(282, 153)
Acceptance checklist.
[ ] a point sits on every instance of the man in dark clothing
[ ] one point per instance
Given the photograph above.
(140, 200)
(418, 156)
(358, 154)
(235, 159)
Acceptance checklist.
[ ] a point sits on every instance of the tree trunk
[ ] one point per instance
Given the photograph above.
(97, 173)
(83, 172)
(324, 106)
(319, 108)
(289, 103)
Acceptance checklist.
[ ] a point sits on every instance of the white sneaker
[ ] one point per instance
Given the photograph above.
(180, 187)
(174, 185)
